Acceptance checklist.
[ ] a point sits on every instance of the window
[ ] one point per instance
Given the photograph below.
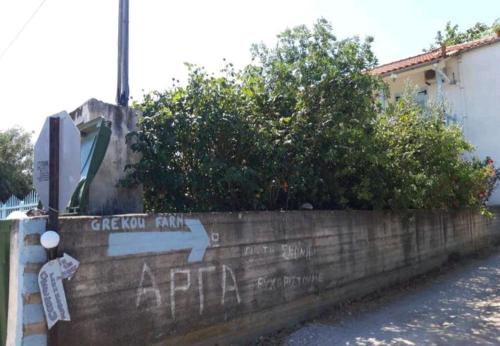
(420, 98)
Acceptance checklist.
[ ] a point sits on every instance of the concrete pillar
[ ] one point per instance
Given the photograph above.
(106, 197)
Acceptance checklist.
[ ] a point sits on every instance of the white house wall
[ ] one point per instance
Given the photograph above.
(480, 73)
(398, 82)
(453, 91)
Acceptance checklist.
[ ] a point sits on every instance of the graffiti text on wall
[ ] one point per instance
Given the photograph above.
(172, 233)
(188, 281)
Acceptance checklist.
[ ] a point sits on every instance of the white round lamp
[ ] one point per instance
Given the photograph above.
(50, 240)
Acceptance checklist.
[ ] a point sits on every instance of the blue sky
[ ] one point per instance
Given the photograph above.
(67, 54)
(402, 28)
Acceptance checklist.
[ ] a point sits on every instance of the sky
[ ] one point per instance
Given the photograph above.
(67, 53)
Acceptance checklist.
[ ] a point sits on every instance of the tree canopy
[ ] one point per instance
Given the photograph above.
(301, 124)
(452, 35)
(16, 159)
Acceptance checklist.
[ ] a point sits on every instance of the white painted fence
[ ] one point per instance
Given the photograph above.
(30, 201)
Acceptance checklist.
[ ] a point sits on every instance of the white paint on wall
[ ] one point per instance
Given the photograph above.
(180, 281)
(296, 251)
(214, 239)
(118, 223)
(174, 288)
(287, 251)
(170, 221)
(124, 223)
(147, 290)
(228, 288)
(287, 282)
(258, 250)
(200, 285)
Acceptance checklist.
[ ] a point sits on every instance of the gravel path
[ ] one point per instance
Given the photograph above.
(459, 308)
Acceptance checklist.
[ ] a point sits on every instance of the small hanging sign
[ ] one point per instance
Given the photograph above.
(52, 290)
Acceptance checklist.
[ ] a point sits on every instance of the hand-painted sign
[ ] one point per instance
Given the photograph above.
(129, 243)
(69, 266)
(52, 290)
(69, 156)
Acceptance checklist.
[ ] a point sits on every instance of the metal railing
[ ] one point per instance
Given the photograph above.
(30, 201)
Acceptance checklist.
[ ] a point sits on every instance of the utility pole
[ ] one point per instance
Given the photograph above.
(122, 90)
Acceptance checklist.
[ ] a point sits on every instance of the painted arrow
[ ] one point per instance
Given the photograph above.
(131, 243)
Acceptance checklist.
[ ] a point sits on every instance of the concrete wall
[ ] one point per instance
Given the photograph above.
(220, 278)
(105, 196)
(150, 280)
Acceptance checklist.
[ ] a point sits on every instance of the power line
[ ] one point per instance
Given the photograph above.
(11, 43)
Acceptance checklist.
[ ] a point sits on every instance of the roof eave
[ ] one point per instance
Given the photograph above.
(451, 54)
(409, 68)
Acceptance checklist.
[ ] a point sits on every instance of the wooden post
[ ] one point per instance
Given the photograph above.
(53, 223)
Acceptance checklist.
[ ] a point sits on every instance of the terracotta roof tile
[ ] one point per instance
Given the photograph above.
(432, 55)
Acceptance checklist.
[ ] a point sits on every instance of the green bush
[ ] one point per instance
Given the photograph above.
(299, 125)
(314, 101)
(199, 149)
(423, 162)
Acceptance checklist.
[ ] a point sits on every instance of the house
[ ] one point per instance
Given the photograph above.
(467, 78)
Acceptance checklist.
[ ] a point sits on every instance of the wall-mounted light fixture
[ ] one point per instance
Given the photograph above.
(50, 241)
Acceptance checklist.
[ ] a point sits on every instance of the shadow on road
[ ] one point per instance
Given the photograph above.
(458, 308)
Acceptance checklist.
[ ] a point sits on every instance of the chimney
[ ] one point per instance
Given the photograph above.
(443, 50)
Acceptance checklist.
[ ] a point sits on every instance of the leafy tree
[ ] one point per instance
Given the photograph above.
(496, 27)
(300, 124)
(288, 129)
(16, 161)
(199, 149)
(315, 100)
(452, 35)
